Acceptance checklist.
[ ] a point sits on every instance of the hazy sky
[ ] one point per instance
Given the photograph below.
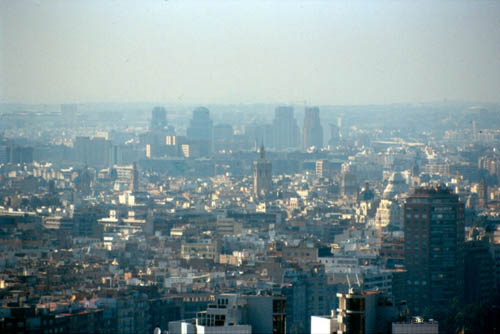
(325, 52)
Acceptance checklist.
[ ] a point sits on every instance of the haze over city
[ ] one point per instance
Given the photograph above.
(325, 52)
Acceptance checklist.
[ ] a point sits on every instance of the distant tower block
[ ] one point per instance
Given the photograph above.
(334, 135)
(482, 191)
(134, 185)
(285, 131)
(262, 174)
(474, 130)
(158, 118)
(201, 129)
(313, 131)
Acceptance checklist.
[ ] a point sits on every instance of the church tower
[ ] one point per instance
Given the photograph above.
(262, 174)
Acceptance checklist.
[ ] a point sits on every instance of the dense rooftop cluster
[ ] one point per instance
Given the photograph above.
(112, 225)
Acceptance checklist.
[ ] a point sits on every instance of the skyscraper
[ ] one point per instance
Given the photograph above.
(158, 118)
(262, 174)
(479, 271)
(482, 190)
(201, 129)
(134, 182)
(334, 135)
(313, 131)
(433, 246)
(285, 128)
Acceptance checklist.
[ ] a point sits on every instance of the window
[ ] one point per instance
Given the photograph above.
(356, 304)
(278, 306)
(278, 324)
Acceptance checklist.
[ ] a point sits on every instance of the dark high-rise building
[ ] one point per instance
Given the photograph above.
(84, 186)
(262, 174)
(479, 271)
(313, 131)
(307, 293)
(4, 154)
(134, 182)
(158, 118)
(285, 129)
(20, 155)
(433, 246)
(349, 184)
(482, 190)
(201, 129)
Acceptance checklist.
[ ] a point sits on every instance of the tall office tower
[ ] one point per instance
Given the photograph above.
(313, 131)
(482, 191)
(85, 181)
(262, 174)
(4, 154)
(479, 271)
(201, 129)
(334, 135)
(223, 137)
(474, 130)
(134, 182)
(433, 246)
(158, 118)
(285, 129)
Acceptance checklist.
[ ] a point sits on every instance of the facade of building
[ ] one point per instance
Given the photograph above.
(134, 180)
(238, 314)
(158, 118)
(262, 174)
(349, 184)
(94, 152)
(479, 269)
(201, 129)
(416, 326)
(482, 191)
(335, 136)
(200, 249)
(324, 169)
(369, 312)
(313, 131)
(285, 129)
(324, 324)
(434, 238)
(301, 254)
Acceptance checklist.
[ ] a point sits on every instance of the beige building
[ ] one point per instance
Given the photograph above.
(200, 249)
(303, 253)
